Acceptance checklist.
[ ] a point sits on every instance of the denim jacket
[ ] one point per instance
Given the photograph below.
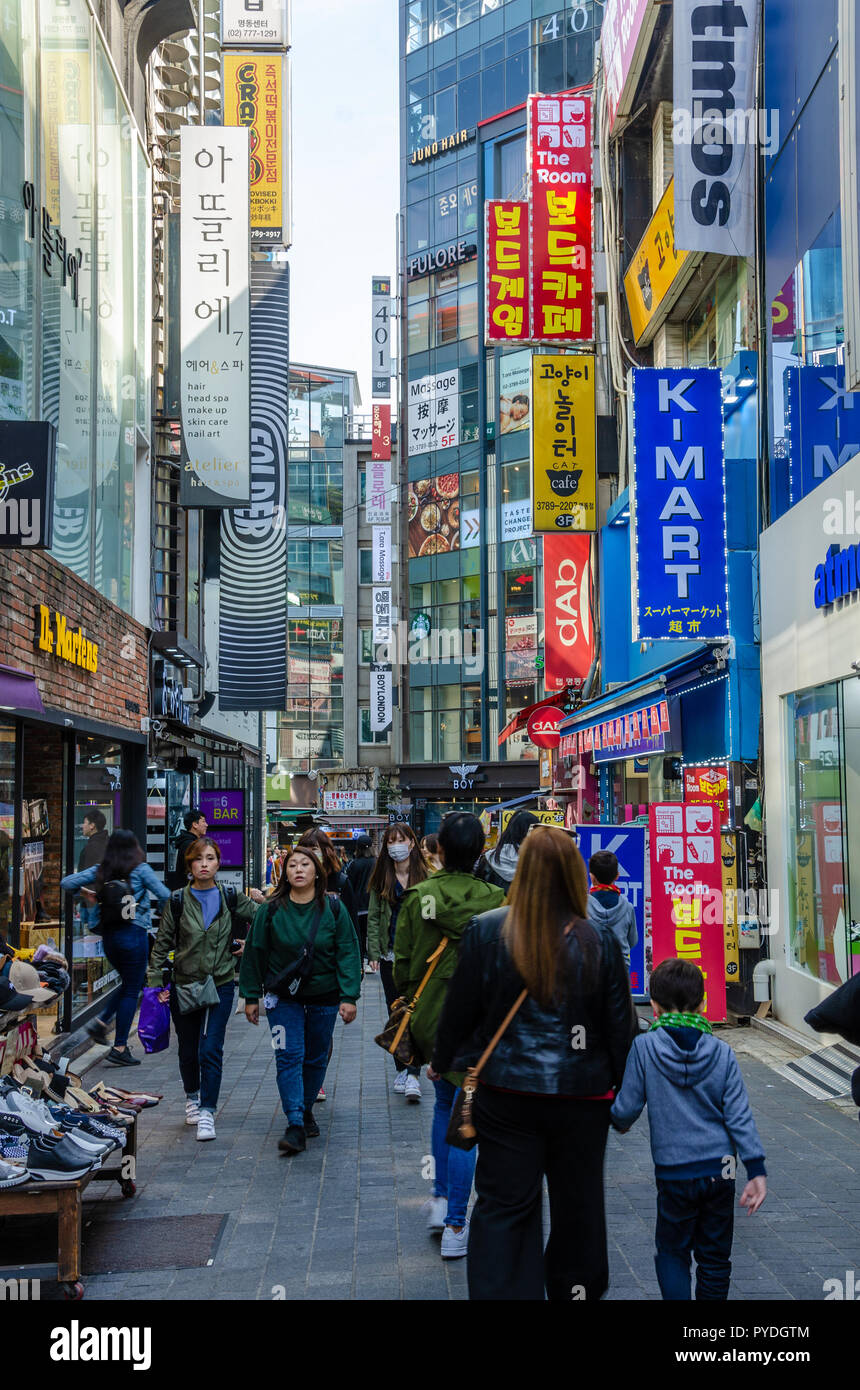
(143, 882)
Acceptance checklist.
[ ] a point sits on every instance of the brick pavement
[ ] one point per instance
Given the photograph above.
(343, 1220)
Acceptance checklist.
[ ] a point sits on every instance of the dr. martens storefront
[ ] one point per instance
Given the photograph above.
(73, 690)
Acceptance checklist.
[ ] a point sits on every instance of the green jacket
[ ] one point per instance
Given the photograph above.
(280, 931)
(197, 952)
(378, 926)
(443, 905)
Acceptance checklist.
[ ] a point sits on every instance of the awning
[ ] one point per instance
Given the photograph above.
(18, 690)
(517, 801)
(521, 718)
(635, 691)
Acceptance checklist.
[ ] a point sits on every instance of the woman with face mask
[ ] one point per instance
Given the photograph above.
(400, 865)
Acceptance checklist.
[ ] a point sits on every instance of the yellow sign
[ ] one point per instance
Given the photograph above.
(655, 265)
(56, 637)
(563, 437)
(545, 817)
(728, 850)
(255, 97)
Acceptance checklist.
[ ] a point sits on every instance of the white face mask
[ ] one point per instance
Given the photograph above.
(399, 850)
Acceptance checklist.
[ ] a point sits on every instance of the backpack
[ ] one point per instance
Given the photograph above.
(229, 897)
(117, 905)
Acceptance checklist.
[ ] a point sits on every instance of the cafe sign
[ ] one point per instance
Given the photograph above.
(56, 636)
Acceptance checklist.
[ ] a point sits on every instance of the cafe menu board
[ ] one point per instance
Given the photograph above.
(224, 811)
(687, 894)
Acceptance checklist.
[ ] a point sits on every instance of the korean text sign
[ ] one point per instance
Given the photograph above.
(569, 636)
(433, 419)
(381, 347)
(507, 269)
(561, 178)
(564, 457)
(655, 266)
(627, 843)
(256, 97)
(678, 533)
(687, 894)
(215, 315)
(709, 786)
(257, 23)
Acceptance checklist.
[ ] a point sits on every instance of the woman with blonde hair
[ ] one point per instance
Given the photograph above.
(542, 1104)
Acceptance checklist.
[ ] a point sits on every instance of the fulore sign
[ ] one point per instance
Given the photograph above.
(427, 261)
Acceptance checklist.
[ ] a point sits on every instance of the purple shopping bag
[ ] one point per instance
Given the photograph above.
(153, 1025)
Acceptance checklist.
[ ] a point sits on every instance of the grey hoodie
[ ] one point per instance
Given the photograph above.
(698, 1110)
(613, 910)
(503, 863)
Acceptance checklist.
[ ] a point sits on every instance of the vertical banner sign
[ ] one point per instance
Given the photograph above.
(822, 426)
(380, 447)
(564, 455)
(686, 894)
(678, 535)
(381, 349)
(627, 843)
(561, 197)
(381, 555)
(714, 125)
(624, 36)
(569, 636)
(215, 317)
(380, 698)
(255, 23)
(507, 262)
(381, 629)
(256, 98)
(730, 907)
(224, 810)
(252, 663)
(378, 498)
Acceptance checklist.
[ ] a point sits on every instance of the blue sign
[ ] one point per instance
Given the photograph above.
(838, 576)
(627, 843)
(678, 532)
(822, 425)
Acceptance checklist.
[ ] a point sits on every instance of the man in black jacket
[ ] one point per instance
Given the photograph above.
(195, 825)
(95, 832)
(358, 873)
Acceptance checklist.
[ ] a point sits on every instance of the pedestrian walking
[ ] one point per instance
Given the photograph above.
(608, 907)
(337, 881)
(541, 1109)
(436, 912)
(119, 910)
(302, 959)
(499, 865)
(194, 827)
(358, 872)
(94, 830)
(202, 929)
(700, 1120)
(430, 847)
(400, 866)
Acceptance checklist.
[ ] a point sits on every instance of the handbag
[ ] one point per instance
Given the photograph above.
(289, 981)
(461, 1129)
(199, 994)
(396, 1036)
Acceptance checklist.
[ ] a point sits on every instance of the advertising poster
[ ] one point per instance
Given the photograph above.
(507, 271)
(434, 515)
(517, 526)
(731, 928)
(521, 650)
(831, 887)
(686, 883)
(223, 808)
(568, 630)
(28, 462)
(564, 453)
(560, 166)
(515, 392)
(655, 264)
(709, 786)
(678, 513)
(433, 413)
(624, 36)
(256, 97)
(628, 844)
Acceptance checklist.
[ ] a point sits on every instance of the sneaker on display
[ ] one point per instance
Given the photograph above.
(53, 1162)
(412, 1090)
(206, 1125)
(435, 1209)
(192, 1111)
(34, 1113)
(455, 1244)
(11, 1174)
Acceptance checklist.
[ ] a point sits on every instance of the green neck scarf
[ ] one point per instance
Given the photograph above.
(683, 1021)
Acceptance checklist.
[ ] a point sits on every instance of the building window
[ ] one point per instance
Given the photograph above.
(365, 564)
(365, 653)
(365, 735)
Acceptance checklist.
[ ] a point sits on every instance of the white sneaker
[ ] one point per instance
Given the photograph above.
(192, 1112)
(400, 1082)
(206, 1125)
(455, 1244)
(435, 1209)
(412, 1090)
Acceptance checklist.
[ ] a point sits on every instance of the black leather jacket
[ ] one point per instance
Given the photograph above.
(539, 1051)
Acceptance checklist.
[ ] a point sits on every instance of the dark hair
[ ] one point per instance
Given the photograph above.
(461, 839)
(319, 840)
(122, 854)
(191, 816)
(384, 875)
(97, 817)
(430, 844)
(678, 986)
(517, 829)
(308, 851)
(603, 866)
(364, 847)
(196, 848)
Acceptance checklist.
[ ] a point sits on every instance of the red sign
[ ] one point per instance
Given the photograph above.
(569, 635)
(380, 447)
(507, 270)
(708, 786)
(687, 894)
(561, 177)
(544, 728)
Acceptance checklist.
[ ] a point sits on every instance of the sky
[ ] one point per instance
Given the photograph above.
(345, 179)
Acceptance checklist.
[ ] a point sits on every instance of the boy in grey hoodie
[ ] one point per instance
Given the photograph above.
(700, 1119)
(607, 905)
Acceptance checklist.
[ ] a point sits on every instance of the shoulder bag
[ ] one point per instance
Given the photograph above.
(396, 1036)
(199, 994)
(461, 1129)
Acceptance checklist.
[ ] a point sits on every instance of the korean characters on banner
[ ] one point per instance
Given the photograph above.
(377, 509)
(564, 456)
(255, 23)
(215, 317)
(381, 698)
(561, 197)
(687, 894)
(709, 786)
(433, 418)
(381, 555)
(507, 263)
(380, 447)
(569, 636)
(381, 347)
(382, 616)
(678, 535)
(256, 96)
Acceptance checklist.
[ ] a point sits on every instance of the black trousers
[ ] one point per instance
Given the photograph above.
(521, 1139)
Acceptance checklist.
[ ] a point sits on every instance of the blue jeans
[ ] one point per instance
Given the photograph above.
(695, 1216)
(200, 1036)
(301, 1052)
(455, 1168)
(127, 950)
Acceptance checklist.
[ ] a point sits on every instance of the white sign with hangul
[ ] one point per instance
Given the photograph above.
(255, 23)
(381, 558)
(377, 509)
(381, 629)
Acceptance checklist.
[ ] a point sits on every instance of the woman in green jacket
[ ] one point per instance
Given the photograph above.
(302, 1023)
(401, 864)
(204, 944)
(443, 906)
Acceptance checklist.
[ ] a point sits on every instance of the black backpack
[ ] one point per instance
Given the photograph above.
(117, 905)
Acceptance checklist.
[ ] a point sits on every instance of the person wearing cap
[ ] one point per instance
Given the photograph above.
(302, 1023)
(358, 872)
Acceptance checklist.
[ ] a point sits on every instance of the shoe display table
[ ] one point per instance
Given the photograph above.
(66, 1199)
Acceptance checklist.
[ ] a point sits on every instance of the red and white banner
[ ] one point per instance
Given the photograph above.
(506, 232)
(569, 633)
(561, 197)
(708, 786)
(380, 446)
(687, 894)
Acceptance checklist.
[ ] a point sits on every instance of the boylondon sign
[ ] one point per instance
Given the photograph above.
(456, 253)
(443, 146)
(55, 636)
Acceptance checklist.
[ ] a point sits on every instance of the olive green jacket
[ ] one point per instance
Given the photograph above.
(197, 952)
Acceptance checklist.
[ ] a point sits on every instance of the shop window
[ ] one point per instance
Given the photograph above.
(365, 564)
(7, 825)
(365, 734)
(418, 326)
